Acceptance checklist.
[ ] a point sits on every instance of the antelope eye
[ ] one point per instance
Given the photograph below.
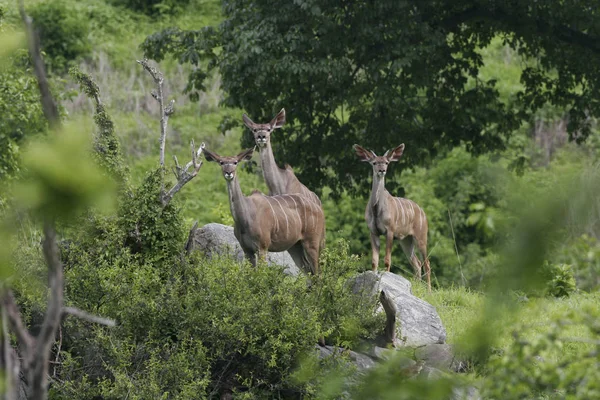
(235, 163)
(221, 162)
(254, 130)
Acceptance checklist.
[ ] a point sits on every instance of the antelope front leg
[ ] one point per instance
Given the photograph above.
(375, 251)
(388, 250)
(261, 256)
(251, 256)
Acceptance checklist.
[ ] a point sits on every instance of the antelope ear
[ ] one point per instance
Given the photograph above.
(363, 154)
(279, 120)
(248, 122)
(245, 155)
(395, 154)
(210, 156)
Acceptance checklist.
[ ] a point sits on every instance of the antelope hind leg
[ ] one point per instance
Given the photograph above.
(389, 239)
(422, 245)
(408, 247)
(311, 253)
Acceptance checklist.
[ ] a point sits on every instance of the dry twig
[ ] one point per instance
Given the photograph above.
(183, 174)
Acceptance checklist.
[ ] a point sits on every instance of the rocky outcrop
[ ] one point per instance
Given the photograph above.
(417, 322)
(427, 364)
(217, 239)
(439, 356)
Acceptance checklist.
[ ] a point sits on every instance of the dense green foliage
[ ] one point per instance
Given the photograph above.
(153, 7)
(63, 34)
(390, 72)
(21, 113)
(191, 326)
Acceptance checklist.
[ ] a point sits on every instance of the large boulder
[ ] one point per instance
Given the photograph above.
(440, 356)
(217, 239)
(360, 360)
(417, 321)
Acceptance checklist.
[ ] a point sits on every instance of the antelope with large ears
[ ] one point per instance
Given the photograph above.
(272, 223)
(279, 180)
(394, 217)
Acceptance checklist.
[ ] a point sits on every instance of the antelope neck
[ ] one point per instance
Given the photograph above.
(238, 204)
(273, 178)
(377, 191)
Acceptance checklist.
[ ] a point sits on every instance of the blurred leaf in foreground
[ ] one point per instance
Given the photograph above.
(9, 43)
(62, 178)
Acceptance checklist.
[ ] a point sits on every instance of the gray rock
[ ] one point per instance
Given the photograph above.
(465, 393)
(217, 239)
(418, 322)
(436, 355)
(430, 373)
(360, 360)
(381, 353)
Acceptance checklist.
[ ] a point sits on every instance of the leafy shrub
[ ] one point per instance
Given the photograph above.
(583, 253)
(549, 365)
(63, 33)
(560, 281)
(204, 325)
(153, 7)
(190, 327)
(347, 318)
(21, 112)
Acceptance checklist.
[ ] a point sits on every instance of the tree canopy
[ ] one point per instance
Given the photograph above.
(380, 73)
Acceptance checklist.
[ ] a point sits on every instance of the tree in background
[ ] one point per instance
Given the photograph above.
(388, 72)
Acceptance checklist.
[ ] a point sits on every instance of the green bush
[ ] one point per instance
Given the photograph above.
(560, 281)
(63, 33)
(346, 318)
(190, 327)
(22, 115)
(551, 364)
(153, 7)
(583, 253)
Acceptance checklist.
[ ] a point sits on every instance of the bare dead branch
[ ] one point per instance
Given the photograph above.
(10, 309)
(48, 103)
(165, 112)
(89, 317)
(56, 298)
(183, 174)
(8, 362)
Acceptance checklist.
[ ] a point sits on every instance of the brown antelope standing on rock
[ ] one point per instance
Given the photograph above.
(394, 217)
(272, 223)
(279, 180)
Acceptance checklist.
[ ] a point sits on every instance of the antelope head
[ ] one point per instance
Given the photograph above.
(379, 163)
(228, 164)
(262, 132)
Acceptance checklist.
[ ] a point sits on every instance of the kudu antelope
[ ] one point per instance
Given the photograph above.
(394, 217)
(279, 180)
(272, 223)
